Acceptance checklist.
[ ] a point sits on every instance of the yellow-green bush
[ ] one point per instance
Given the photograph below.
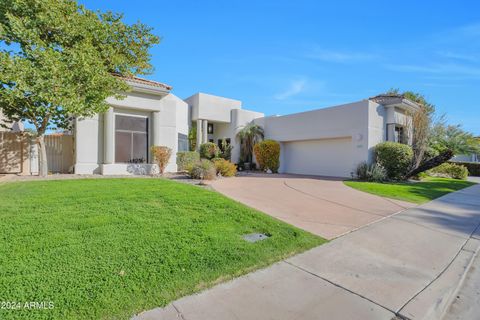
(225, 167)
(450, 170)
(267, 153)
(209, 150)
(186, 158)
(202, 169)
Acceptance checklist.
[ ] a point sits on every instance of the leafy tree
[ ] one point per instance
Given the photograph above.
(453, 137)
(421, 121)
(249, 135)
(60, 60)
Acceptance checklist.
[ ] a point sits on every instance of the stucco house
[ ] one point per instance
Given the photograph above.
(329, 141)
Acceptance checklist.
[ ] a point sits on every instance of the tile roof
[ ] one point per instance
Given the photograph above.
(145, 82)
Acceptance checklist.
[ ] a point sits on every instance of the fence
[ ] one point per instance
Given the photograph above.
(13, 152)
(19, 153)
(59, 153)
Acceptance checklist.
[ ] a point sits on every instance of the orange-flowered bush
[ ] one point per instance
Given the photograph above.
(162, 155)
(267, 153)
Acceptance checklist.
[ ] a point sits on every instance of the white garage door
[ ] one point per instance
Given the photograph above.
(326, 157)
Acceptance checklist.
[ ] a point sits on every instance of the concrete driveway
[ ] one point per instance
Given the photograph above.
(323, 206)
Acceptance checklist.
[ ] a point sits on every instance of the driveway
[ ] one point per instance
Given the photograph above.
(323, 206)
(409, 265)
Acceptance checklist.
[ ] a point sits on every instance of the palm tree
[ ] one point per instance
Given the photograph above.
(249, 136)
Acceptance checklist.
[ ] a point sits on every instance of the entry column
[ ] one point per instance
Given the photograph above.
(108, 136)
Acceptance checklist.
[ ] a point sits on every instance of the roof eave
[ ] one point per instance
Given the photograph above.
(139, 87)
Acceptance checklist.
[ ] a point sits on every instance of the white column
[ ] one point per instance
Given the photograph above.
(155, 128)
(108, 136)
(205, 131)
(199, 134)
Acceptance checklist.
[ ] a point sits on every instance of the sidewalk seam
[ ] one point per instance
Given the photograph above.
(339, 286)
(178, 311)
(442, 272)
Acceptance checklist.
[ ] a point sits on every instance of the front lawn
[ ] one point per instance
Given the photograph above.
(416, 192)
(109, 248)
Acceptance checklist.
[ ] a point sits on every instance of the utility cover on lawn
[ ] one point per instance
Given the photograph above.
(254, 237)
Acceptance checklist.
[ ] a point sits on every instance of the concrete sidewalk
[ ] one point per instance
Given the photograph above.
(408, 265)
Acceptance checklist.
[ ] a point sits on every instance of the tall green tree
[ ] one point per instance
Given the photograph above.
(60, 60)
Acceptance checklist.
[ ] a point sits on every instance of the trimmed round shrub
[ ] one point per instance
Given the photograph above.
(186, 158)
(267, 153)
(224, 167)
(395, 157)
(450, 170)
(209, 150)
(203, 169)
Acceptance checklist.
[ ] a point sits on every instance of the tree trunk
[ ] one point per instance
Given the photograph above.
(43, 170)
(432, 163)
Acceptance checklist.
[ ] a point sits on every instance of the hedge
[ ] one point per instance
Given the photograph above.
(473, 167)
(395, 157)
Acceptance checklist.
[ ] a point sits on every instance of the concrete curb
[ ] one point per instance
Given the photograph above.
(455, 292)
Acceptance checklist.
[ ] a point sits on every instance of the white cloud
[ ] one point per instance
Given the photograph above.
(296, 87)
(340, 57)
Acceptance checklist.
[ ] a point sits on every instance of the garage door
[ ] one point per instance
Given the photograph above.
(326, 157)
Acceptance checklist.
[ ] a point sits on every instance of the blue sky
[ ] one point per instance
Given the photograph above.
(280, 57)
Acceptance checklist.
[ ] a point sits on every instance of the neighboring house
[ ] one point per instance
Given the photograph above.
(330, 141)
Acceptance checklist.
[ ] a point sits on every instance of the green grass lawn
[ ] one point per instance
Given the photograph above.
(109, 248)
(416, 192)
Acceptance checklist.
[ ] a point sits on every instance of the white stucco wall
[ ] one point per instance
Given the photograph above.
(172, 119)
(214, 108)
(348, 121)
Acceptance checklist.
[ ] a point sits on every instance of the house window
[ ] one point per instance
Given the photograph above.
(131, 139)
(400, 134)
(182, 142)
(210, 128)
(396, 133)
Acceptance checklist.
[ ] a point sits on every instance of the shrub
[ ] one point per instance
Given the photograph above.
(203, 169)
(395, 157)
(224, 167)
(374, 172)
(161, 155)
(473, 167)
(186, 158)
(267, 153)
(208, 150)
(450, 170)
